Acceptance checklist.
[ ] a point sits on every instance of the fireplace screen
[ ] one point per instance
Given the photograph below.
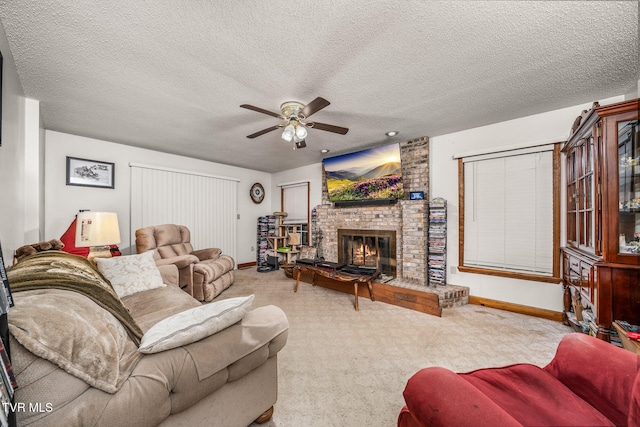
(368, 248)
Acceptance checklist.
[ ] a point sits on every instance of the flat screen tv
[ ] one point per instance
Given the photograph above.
(369, 175)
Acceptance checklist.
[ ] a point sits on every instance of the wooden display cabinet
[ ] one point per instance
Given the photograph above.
(601, 261)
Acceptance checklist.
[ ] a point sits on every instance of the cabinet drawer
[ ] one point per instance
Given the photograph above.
(579, 272)
(586, 280)
(571, 268)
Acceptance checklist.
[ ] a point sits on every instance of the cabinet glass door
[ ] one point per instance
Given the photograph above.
(629, 187)
(572, 199)
(585, 209)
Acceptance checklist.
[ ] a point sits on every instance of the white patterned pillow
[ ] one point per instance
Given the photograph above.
(131, 273)
(194, 324)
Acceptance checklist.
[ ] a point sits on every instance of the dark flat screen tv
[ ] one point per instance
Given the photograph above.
(369, 175)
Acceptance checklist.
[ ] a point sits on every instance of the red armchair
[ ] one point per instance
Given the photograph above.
(589, 382)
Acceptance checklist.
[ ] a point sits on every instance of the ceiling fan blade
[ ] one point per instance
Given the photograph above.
(314, 106)
(263, 131)
(261, 110)
(328, 128)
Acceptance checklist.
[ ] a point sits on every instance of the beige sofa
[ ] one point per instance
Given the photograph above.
(226, 379)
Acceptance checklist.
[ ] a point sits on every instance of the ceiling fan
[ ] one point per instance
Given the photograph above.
(295, 116)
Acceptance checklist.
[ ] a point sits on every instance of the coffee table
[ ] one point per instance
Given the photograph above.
(338, 277)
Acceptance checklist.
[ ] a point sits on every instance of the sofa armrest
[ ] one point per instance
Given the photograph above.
(265, 327)
(436, 396)
(600, 373)
(205, 254)
(181, 261)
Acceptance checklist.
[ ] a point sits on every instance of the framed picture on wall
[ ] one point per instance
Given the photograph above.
(90, 173)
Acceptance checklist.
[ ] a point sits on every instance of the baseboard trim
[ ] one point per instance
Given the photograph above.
(246, 265)
(517, 308)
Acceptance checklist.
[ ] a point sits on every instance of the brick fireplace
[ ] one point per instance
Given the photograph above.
(406, 219)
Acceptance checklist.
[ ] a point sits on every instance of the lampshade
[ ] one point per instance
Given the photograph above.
(288, 133)
(301, 132)
(97, 229)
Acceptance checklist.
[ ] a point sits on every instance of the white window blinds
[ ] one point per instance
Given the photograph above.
(295, 199)
(205, 204)
(508, 211)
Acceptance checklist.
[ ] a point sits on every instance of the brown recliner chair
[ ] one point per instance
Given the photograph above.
(203, 273)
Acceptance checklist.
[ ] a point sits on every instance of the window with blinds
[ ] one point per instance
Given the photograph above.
(509, 212)
(295, 202)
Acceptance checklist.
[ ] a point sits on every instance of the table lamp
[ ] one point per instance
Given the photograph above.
(97, 230)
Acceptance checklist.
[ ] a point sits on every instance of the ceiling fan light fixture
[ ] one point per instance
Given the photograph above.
(294, 115)
(288, 133)
(301, 131)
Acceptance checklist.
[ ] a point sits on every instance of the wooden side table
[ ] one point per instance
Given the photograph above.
(336, 277)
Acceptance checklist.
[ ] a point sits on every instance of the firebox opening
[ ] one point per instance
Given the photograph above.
(374, 249)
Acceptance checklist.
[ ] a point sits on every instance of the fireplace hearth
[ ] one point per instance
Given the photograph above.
(368, 249)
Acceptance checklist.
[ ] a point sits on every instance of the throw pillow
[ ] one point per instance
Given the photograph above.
(194, 324)
(131, 273)
(307, 252)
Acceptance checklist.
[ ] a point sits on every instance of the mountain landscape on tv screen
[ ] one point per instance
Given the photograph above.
(367, 175)
(392, 168)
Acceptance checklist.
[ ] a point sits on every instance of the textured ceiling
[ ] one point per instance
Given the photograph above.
(170, 75)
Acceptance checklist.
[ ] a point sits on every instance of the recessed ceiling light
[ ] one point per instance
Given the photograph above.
(324, 151)
(392, 133)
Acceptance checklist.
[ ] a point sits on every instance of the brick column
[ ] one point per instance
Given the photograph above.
(414, 240)
(414, 156)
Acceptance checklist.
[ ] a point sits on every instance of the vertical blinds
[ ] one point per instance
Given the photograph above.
(206, 204)
(508, 212)
(296, 203)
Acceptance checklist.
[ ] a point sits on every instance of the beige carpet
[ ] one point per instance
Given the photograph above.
(346, 368)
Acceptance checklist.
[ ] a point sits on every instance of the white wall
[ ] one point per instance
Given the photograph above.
(62, 202)
(633, 92)
(12, 157)
(552, 126)
(34, 180)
